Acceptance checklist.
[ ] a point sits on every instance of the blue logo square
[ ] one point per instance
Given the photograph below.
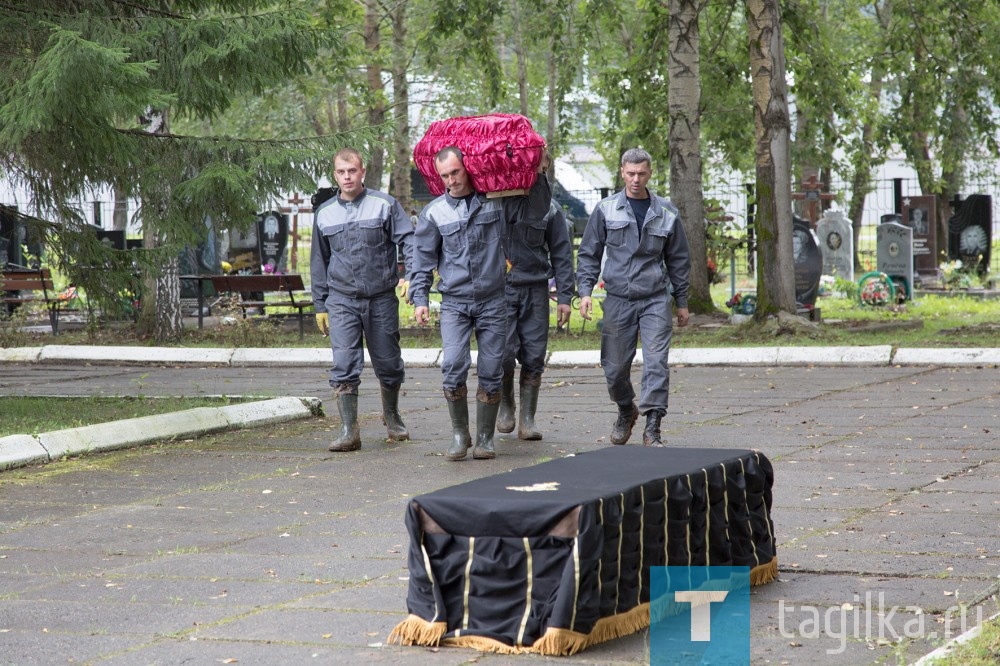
(699, 615)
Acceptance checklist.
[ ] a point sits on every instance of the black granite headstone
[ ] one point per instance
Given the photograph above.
(272, 234)
(808, 262)
(970, 231)
(920, 214)
(113, 238)
(11, 237)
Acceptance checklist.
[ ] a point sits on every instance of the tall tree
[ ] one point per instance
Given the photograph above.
(684, 110)
(945, 87)
(776, 272)
(76, 82)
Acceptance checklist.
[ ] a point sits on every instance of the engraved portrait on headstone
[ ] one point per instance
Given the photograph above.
(920, 214)
(273, 234)
(836, 244)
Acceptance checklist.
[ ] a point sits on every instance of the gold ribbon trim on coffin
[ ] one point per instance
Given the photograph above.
(555, 642)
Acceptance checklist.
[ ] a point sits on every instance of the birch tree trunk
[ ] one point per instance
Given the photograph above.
(160, 312)
(776, 270)
(400, 107)
(684, 102)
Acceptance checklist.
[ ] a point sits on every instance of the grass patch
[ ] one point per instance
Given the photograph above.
(33, 415)
(983, 650)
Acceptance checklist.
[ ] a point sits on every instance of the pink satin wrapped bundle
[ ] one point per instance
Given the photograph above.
(501, 151)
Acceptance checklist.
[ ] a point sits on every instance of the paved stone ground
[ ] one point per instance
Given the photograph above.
(260, 547)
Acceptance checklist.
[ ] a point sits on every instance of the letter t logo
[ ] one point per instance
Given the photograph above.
(701, 615)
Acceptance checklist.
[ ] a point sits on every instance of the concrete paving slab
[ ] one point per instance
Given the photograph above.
(133, 432)
(20, 354)
(36, 647)
(728, 356)
(952, 357)
(421, 358)
(238, 596)
(375, 596)
(137, 620)
(266, 412)
(358, 629)
(192, 650)
(124, 354)
(570, 359)
(21, 450)
(289, 357)
(214, 488)
(866, 356)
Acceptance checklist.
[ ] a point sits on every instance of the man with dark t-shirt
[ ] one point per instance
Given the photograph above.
(647, 268)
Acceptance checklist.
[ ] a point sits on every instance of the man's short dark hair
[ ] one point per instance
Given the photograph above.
(448, 150)
(636, 156)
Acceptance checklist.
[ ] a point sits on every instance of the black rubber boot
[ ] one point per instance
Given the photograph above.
(622, 430)
(487, 408)
(505, 419)
(458, 410)
(651, 434)
(350, 433)
(394, 426)
(526, 418)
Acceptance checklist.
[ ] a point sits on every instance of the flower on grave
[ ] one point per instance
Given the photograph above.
(734, 302)
(955, 275)
(826, 284)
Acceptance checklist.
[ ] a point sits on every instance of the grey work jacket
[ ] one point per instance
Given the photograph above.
(637, 266)
(354, 246)
(539, 250)
(464, 243)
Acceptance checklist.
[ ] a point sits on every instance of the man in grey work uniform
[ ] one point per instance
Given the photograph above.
(647, 262)
(459, 235)
(534, 251)
(354, 276)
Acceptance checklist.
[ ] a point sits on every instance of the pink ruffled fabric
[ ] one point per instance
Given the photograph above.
(502, 151)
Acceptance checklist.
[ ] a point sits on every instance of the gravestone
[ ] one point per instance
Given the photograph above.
(894, 254)
(20, 241)
(920, 214)
(808, 262)
(272, 234)
(243, 250)
(836, 243)
(202, 259)
(970, 231)
(111, 238)
(11, 237)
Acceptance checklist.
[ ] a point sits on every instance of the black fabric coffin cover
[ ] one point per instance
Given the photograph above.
(555, 557)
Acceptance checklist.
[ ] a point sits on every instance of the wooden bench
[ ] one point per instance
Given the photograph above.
(286, 285)
(25, 286)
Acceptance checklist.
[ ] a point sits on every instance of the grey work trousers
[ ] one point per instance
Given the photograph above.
(527, 329)
(625, 322)
(489, 322)
(372, 320)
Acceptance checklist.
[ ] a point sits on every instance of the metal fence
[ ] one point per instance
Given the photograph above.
(734, 199)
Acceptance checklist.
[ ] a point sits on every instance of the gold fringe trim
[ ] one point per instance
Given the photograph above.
(622, 624)
(764, 573)
(559, 642)
(483, 644)
(416, 630)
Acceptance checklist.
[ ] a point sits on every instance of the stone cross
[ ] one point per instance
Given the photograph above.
(812, 193)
